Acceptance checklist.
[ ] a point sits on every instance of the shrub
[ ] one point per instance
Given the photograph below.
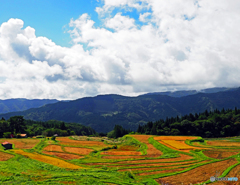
(107, 148)
(129, 174)
(104, 168)
(53, 138)
(114, 147)
(7, 134)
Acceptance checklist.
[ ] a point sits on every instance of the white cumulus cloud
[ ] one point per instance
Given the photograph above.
(179, 44)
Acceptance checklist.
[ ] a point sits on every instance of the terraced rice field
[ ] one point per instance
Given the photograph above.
(199, 174)
(235, 172)
(154, 164)
(121, 153)
(23, 143)
(162, 171)
(177, 138)
(67, 141)
(122, 157)
(198, 144)
(47, 159)
(80, 151)
(182, 157)
(151, 151)
(5, 156)
(65, 156)
(53, 148)
(75, 143)
(126, 148)
(218, 154)
(176, 142)
(183, 165)
(178, 145)
(157, 167)
(224, 143)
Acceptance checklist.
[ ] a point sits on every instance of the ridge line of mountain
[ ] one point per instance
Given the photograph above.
(103, 112)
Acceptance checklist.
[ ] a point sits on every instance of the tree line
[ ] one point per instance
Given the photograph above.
(224, 123)
(17, 125)
(208, 124)
(118, 131)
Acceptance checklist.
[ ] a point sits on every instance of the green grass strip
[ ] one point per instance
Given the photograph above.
(38, 147)
(164, 149)
(167, 152)
(143, 147)
(200, 155)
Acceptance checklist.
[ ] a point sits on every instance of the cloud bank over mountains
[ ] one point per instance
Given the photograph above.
(173, 45)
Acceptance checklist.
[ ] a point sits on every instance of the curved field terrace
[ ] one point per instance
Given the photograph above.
(133, 159)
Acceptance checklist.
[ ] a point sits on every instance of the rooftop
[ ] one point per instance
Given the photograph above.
(5, 143)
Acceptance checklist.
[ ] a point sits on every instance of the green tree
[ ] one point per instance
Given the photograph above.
(44, 133)
(17, 124)
(6, 134)
(139, 128)
(208, 134)
(154, 130)
(4, 127)
(174, 131)
(111, 134)
(63, 126)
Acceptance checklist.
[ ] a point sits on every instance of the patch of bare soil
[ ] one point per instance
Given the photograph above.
(199, 174)
(4, 156)
(235, 172)
(219, 154)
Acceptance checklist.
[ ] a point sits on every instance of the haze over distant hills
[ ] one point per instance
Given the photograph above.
(21, 104)
(191, 92)
(104, 111)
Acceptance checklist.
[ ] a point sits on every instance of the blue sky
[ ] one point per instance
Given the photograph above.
(48, 17)
(61, 49)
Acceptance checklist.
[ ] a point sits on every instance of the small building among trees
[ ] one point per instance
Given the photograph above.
(23, 135)
(7, 145)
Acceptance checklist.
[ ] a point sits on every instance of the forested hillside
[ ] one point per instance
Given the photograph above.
(103, 112)
(17, 125)
(215, 123)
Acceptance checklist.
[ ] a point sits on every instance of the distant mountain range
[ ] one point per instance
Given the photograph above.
(104, 111)
(191, 92)
(21, 104)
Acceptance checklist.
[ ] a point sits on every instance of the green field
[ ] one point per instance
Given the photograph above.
(132, 159)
